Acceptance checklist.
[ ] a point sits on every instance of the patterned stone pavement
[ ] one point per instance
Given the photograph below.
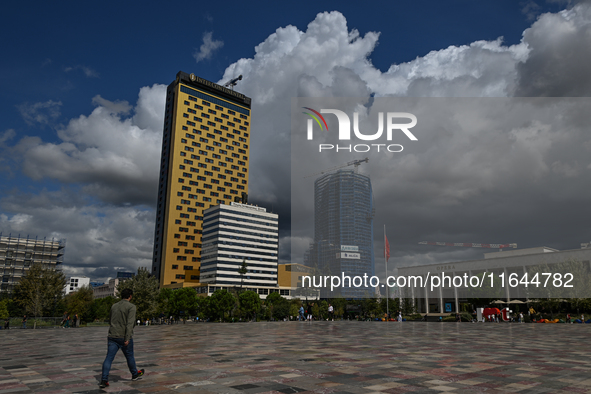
(319, 357)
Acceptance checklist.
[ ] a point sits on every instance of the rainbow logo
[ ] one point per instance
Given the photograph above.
(315, 118)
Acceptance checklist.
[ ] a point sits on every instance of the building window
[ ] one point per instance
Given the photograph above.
(175, 267)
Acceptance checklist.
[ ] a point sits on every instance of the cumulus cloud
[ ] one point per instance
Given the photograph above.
(117, 107)
(329, 60)
(43, 113)
(89, 72)
(109, 158)
(115, 158)
(560, 54)
(208, 47)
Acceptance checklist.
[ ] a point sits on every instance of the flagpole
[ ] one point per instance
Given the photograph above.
(387, 287)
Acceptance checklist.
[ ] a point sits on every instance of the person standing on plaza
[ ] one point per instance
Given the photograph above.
(121, 337)
(330, 312)
(7, 324)
(310, 313)
(24, 321)
(302, 313)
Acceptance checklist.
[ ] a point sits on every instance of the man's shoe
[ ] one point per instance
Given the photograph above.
(103, 384)
(138, 376)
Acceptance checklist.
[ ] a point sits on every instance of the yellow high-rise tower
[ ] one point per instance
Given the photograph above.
(205, 155)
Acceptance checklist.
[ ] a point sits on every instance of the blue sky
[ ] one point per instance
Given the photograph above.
(116, 48)
(80, 81)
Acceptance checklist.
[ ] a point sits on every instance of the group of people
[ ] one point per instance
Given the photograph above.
(307, 314)
(68, 321)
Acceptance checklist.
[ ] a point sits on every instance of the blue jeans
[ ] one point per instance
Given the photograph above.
(113, 345)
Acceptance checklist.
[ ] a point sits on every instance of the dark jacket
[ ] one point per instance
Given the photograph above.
(122, 320)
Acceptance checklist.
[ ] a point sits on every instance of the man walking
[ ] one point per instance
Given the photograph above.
(121, 337)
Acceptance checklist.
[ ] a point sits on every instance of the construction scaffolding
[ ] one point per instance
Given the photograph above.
(18, 254)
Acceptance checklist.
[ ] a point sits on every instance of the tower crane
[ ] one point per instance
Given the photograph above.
(471, 245)
(355, 163)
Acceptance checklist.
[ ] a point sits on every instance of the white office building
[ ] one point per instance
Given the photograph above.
(76, 282)
(107, 289)
(236, 233)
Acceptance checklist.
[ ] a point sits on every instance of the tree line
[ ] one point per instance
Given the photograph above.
(40, 294)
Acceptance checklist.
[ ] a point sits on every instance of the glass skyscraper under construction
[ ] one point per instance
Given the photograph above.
(343, 230)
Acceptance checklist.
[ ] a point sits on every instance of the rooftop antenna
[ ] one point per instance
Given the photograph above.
(233, 82)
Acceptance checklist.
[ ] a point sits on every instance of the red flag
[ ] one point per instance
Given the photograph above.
(387, 249)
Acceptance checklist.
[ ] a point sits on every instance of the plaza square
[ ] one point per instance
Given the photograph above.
(319, 357)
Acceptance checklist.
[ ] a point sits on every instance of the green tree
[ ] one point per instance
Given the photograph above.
(375, 308)
(145, 293)
(242, 271)
(323, 312)
(203, 307)
(273, 298)
(184, 300)
(4, 309)
(407, 307)
(220, 303)
(40, 290)
(250, 303)
(280, 307)
(165, 301)
(101, 308)
(339, 305)
(294, 307)
(79, 302)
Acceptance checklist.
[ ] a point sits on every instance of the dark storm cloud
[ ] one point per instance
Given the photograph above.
(490, 170)
(560, 55)
(96, 236)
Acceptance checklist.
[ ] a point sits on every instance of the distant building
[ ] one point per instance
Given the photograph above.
(447, 298)
(290, 281)
(343, 230)
(108, 289)
(76, 282)
(125, 275)
(17, 254)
